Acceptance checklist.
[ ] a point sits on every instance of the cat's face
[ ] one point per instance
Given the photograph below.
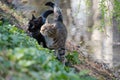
(48, 30)
(35, 24)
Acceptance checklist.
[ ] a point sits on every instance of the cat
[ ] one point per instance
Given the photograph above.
(35, 24)
(58, 14)
(55, 34)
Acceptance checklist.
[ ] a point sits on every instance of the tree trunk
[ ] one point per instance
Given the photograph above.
(102, 41)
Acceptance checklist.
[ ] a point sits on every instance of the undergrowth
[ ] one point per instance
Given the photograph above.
(21, 58)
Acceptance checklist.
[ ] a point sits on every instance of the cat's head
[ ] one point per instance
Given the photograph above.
(35, 24)
(48, 29)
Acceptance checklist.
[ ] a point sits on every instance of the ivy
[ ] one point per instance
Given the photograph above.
(108, 10)
(117, 11)
(21, 58)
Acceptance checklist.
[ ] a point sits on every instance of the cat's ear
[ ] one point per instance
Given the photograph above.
(33, 17)
(41, 20)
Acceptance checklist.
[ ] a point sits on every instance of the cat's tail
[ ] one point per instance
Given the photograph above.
(51, 4)
(57, 11)
(46, 13)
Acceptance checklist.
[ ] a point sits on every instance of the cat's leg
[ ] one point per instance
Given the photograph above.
(44, 43)
(60, 53)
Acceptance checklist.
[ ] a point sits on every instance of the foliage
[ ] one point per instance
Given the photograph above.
(11, 37)
(21, 58)
(117, 11)
(109, 8)
(106, 10)
(103, 9)
(73, 58)
(106, 13)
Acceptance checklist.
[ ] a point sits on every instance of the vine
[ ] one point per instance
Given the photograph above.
(108, 10)
(103, 9)
(116, 12)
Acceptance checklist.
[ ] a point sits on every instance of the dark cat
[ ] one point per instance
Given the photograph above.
(35, 26)
(55, 33)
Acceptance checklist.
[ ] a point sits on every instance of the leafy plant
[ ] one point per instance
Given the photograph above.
(73, 58)
(117, 11)
(21, 58)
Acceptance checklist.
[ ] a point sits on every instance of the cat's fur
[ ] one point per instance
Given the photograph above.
(35, 26)
(55, 34)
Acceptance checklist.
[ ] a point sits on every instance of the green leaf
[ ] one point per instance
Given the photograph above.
(84, 72)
